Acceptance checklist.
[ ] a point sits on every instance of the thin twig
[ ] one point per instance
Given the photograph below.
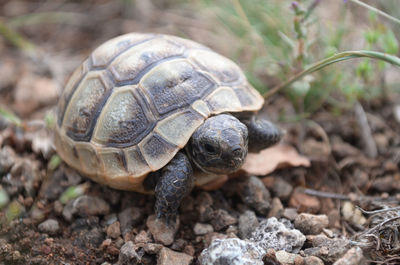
(325, 194)
(378, 211)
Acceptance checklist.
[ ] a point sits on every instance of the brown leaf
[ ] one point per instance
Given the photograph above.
(278, 156)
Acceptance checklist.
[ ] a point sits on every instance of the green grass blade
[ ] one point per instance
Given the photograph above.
(334, 59)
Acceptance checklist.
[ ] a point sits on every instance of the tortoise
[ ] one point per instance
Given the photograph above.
(148, 112)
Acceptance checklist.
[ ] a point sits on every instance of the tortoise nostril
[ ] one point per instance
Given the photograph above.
(237, 152)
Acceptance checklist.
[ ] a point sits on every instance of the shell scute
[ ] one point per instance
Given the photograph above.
(80, 117)
(178, 127)
(109, 50)
(157, 151)
(130, 66)
(223, 69)
(174, 84)
(123, 121)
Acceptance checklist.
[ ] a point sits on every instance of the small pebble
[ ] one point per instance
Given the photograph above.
(128, 254)
(232, 251)
(276, 208)
(310, 224)
(86, 205)
(169, 257)
(161, 232)
(143, 237)
(254, 194)
(49, 226)
(275, 234)
(114, 230)
(303, 202)
(290, 213)
(222, 219)
(202, 229)
(312, 260)
(329, 250)
(247, 222)
(204, 203)
(7, 159)
(285, 257)
(129, 218)
(353, 256)
(281, 188)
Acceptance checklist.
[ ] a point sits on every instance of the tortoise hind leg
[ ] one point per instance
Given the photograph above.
(262, 134)
(175, 182)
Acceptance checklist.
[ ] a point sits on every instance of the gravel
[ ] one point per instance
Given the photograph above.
(247, 222)
(231, 251)
(49, 226)
(275, 234)
(310, 224)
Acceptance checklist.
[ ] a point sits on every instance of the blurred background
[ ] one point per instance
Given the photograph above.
(41, 42)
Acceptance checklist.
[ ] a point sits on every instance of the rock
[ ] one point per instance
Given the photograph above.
(210, 237)
(24, 175)
(281, 188)
(86, 205)
(285, 258)
(303, 202)
(222, 219)
(167, 257)
(275, 234)
(128, 254)
(129, 218)
(202, 229)
(276, 208)
(385, 184)
(55, 184)
(290, 213)
(311, 260)
(353, 256)
(329, 250)
(254, 194)
(178, 244)
(310, 224)
(114, 230)
(7, 159)
(161, 232)
(143, 237)
(247, 222)
(231, 251)
(189, 249)
(49, 226)
(204, 203)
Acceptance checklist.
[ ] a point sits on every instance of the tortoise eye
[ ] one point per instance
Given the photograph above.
(210, 149)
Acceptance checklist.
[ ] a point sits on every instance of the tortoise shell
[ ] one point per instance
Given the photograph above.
(136, 101)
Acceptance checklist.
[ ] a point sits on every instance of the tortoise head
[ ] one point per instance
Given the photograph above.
(219, 145)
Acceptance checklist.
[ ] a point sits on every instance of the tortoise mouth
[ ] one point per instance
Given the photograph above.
(223, 166)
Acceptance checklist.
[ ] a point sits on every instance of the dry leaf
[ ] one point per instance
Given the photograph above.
(278, 156)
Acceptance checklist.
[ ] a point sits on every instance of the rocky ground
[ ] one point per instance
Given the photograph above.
(328, 194)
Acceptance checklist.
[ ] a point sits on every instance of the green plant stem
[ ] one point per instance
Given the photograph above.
(377, 11)
(15, 38)
(333, 59)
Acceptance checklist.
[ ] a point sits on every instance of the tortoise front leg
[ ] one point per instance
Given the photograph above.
(262, 134)
(175, 182)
